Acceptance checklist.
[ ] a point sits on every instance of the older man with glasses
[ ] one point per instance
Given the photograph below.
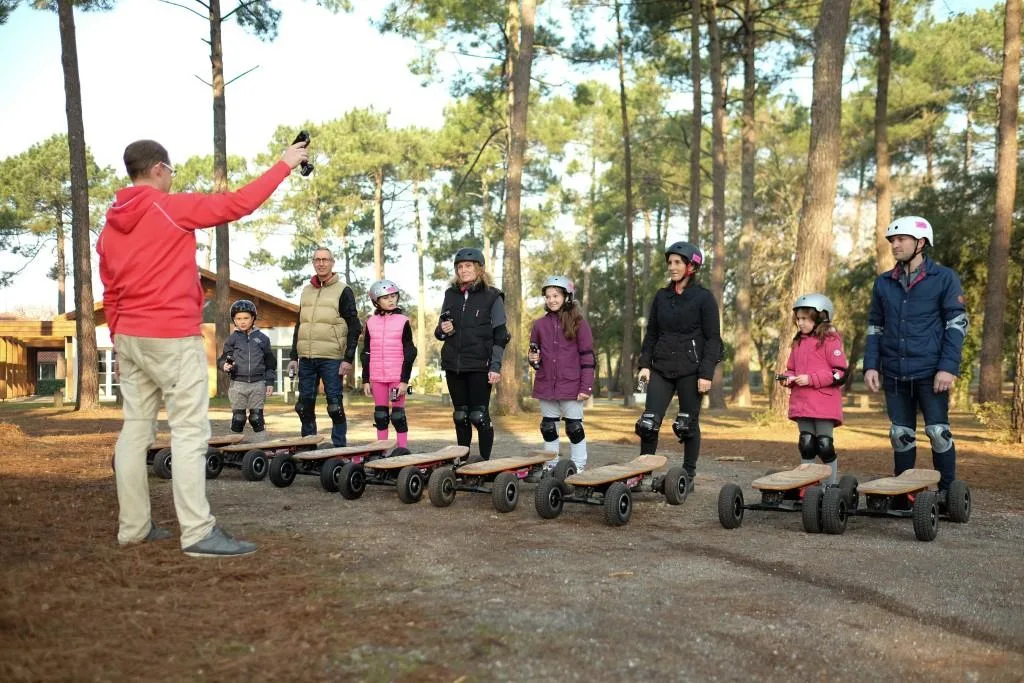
(324, 345)
(154, 320)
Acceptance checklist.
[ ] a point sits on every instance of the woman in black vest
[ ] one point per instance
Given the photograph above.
(679, 353)
(472, 327)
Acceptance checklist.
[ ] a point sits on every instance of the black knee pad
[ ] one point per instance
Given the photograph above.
(826, 449)
(380, 417)
(683, 426)
(479, 417)
(399, 420)
(647, 426)
(256, 420)
(574, 430)
(305, 410)
(460, 416)
(237, 421)
(807, 445)
(336, 412)
(549, 428)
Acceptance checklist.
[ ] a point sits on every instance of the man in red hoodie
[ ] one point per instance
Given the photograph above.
(153, 302)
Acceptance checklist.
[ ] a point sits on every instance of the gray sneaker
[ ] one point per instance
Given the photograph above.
(157, 533)
(218, 543)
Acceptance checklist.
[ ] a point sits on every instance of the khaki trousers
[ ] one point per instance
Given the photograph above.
(176, 370)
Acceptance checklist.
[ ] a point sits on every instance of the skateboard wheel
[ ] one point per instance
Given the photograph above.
(410, 485)
(214, 464)
(441, 487)
(958, 502)
(730, 506)
(330, 474)
(162, 463)
(351, 481)
(618, 504)
(848, 485)
(676, 488)
(926, 516)
(282, 471)
(563, 470)
(834, 510)
(254, 465)
(810, 509)
(549, 498)
(505, 492)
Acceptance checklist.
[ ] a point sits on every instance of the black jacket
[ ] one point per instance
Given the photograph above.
(683, 335)
(254, 358)
(480, 335)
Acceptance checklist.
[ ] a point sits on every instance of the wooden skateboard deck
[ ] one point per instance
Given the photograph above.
(287, 442)
(486, 467)
(345, 451)
(215, 441)
(610, 473)
(794, 478)
(908, 482)
(400, 461)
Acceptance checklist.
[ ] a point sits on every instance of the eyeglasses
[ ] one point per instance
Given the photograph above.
(169, 168)
(323, 260)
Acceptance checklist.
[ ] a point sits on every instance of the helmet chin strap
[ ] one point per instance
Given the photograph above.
(917, 251)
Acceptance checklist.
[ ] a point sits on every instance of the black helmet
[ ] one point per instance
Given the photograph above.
(687, 251)
(469, 254)
(243, 306)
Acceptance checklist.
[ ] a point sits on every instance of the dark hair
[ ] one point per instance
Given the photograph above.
(822, 327)
(142, 155)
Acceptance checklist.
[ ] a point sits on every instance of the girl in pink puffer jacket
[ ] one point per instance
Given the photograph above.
(815, 375)
(388, 355)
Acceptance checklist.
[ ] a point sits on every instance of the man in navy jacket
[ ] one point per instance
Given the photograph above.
(916, 330)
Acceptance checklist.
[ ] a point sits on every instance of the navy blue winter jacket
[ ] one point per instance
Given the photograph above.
(254, 358)
(914, 333)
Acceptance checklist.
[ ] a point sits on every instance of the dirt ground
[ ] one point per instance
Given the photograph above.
(377, 590)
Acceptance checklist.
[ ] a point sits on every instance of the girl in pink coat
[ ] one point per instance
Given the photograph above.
(388, 355)
(815, 375)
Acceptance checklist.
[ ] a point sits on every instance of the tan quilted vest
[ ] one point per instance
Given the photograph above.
(323, 333)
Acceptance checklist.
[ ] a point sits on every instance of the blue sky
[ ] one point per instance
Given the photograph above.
(139, 64)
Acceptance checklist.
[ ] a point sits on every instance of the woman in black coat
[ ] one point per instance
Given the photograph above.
(678, 355)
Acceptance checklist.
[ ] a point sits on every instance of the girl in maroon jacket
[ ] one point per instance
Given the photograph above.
(562, 353)
(815, 374)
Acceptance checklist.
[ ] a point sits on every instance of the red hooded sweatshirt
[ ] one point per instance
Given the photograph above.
(147, 254)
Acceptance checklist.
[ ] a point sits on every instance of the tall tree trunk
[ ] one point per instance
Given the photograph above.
(87, 390)
(646, 277)
(718, 170)
(695, 124)
(629, 305)
(929, 158)
(378, 223)
(421, 281)
(814, 234)
(222, 293)
(1017, 411)
(883, 192)
(61, 269)
(858, 209)
(967, 139)
(588, 254)
(509, 389)
(991, 384)
(485, 213)
(744, 273)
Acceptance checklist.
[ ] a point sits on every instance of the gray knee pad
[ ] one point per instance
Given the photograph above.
(647, 426)
(940, 436)
(256, 420)
(807, 445)
(826, 449)
(479, 416)
(460, 416)
(549, 428)
(237, 421)
(398, 419)
(683, 426)
(380, 417)
(336, 412)
(902, 438)
(574, 430)
(305, 410)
